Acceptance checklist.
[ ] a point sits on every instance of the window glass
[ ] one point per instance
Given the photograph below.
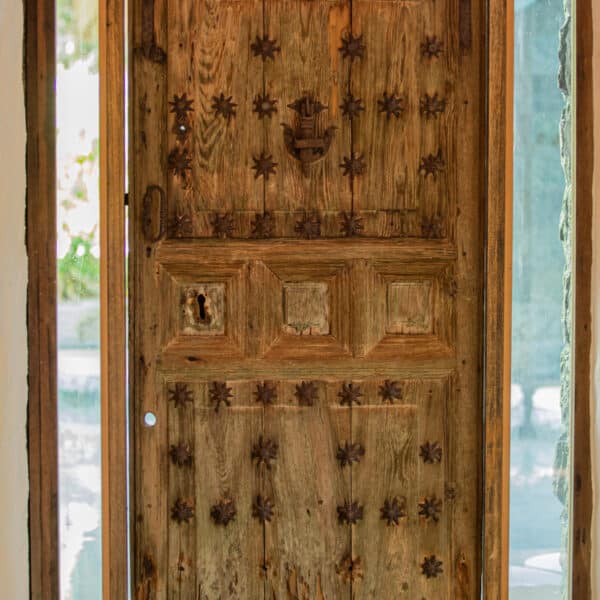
(78, 280)
(541, 394)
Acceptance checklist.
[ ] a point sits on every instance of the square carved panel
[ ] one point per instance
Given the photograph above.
(306, 308)
(410, 307)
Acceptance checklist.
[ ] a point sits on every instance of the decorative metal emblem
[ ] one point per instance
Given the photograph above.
(350, 394)
(263, 226)
(222, 225)
(432, 164)
(180, 394)
(265, 47)
(430, 509)
(224, 106)
(264, 165)
(350, 224)
(349, 453)
(390, 391)
(309, 227)
(307, 393)
(353, 165)
(266, 393)
(262, 509)
(391, 105)
(219, 394)
(432, 106)
(431, 567)
(353, 47)
(352, 107)
(432, 47)
(264, 452)
(264, 105)
(223, 512)
(181, 455)
(182, 511)
(350, 513)
(393, 510)
(431, 453)
(305, 143)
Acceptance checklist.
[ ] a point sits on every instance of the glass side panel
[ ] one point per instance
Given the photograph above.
(78, 299)
(540, 435)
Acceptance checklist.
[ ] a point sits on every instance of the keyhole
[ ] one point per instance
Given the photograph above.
(202, 306)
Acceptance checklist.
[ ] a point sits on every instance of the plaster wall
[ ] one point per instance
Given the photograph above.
(14, 570)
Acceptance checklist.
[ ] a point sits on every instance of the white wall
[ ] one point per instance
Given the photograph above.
(14, 570)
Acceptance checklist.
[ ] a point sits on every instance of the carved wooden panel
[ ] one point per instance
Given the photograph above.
(306, 300)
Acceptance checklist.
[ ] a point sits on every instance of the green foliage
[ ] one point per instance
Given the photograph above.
(77, 32)
(79, 269)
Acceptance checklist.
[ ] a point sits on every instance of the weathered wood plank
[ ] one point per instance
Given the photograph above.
(229, 558)
(310, 62)
(388, 433)
(304, 541)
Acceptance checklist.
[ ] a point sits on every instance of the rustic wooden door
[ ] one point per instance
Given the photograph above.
(306, 215)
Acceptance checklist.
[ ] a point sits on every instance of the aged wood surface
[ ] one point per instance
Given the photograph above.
(112, 288)
(498, 302)
(42, 426)
(583, 495)
(307, 341)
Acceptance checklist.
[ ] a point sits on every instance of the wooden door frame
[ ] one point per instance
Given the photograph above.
(41, 243)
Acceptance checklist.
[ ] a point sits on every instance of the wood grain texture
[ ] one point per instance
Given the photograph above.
(583, 495)
(498, 300)
(334, 312)
(113, 337)
(42, 427)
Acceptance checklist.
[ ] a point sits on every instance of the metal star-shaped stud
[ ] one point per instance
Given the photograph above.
(307, 393)
(181, 455)
(352, 47)
(393, 510)
(390, 391)
(182, 511)
(350, 224)
(351, 106)
(349, 453)
(265, 47)
(262, 509)
(449, 492)
(180, 394)
(353, 165)
(219, 394)
(181, 104)
(350, 570)
(264, 106)
(432, 228)
(266, 393)
(431, 47)
(391, 105)
(222, 225)
(431, 567)
(263, 225)
(223, 512)
(264, 165)
(350, 394)
(432, 106)
(309, 228)
(350, 513)
(432, 164)
(430, 509)
(223, 106)
(180, 226)
(264, 452)
(431, 453)
(180, 162)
